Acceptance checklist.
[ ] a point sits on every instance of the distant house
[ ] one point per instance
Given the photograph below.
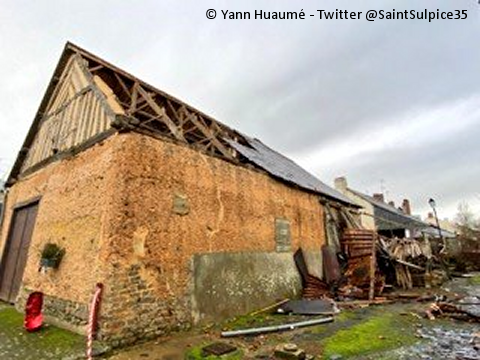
(446, 225)
(383, 217)
(180, 217)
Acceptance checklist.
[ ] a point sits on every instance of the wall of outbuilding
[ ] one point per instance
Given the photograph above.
(74, 197)
(189, 230)
(168, 230)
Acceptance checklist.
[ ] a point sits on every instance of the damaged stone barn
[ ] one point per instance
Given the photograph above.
(181, 218)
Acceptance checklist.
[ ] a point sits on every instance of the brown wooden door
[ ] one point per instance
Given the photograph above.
(16, 250)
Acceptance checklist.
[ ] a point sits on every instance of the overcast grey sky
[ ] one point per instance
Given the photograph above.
(391, 104)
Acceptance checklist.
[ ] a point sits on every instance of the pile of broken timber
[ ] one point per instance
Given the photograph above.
(359, 245)
(408, 255)
(467, 309)
(314, 288)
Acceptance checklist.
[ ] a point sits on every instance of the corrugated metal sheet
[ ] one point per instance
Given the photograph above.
(285, 169)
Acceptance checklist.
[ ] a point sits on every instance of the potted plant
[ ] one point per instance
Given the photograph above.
(51, 256)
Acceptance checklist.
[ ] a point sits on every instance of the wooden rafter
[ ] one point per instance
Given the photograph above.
(138, 106)
(133, 103)
(122, 84)
(160, 111)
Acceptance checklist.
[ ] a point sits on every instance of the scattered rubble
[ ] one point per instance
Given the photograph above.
(442, 344)
(289, 352)
(218, 349)
(467, 309)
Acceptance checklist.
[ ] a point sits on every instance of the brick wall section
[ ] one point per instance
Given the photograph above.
(74, 196)
(230, 209)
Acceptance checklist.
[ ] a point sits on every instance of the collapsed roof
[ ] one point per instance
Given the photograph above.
(132, 104)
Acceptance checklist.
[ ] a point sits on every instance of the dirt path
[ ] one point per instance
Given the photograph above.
(395, 331)
(172, 348)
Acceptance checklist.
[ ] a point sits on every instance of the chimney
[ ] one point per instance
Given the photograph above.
(341, 184)
(430, 215)
(406, 207)
(379, 197)
(391, 203)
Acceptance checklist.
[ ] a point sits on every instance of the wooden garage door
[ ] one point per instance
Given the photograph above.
(16, 251)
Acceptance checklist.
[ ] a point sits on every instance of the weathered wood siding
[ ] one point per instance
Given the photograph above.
(77, 111)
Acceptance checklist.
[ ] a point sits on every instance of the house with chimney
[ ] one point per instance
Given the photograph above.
(383, 217)
(448, 227)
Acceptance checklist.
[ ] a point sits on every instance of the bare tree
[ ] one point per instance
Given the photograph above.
(468, 225)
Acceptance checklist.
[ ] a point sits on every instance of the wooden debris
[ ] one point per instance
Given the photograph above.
(315, 288)
(362, 272)
(457, 310)
(364, 303)
(373, 266)
(270, 307)
(407, 255)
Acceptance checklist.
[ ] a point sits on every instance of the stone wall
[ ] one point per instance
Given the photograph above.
(74, 195)
(59, 311)
(173, 203)
(133, 212)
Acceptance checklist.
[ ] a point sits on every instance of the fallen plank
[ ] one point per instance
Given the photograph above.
(364, 302)
(406, 263)
(270, 307)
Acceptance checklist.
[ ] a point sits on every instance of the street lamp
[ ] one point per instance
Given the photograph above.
(433, 205)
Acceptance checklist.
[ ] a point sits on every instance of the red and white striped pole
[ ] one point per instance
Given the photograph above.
(92, 319)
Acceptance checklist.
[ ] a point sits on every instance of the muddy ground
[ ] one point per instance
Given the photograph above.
(393, 331)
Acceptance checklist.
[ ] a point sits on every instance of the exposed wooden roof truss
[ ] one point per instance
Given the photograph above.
(150, 110)
(88, 96)
(89, 99)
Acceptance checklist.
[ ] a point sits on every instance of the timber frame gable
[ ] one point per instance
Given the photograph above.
(89, 99)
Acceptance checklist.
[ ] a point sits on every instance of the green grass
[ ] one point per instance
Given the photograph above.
(381, 332)
(474, 280)
(249, 321)
(196, 354)
(46, 343)
(346, 315)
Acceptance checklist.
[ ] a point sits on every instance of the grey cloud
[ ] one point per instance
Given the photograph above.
(295, 85)
(446, 170)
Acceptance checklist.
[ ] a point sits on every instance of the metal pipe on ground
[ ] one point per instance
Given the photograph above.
(275, 328)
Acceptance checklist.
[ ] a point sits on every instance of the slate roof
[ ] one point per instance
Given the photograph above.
(285, 169)
(388, 217)
(433, 231)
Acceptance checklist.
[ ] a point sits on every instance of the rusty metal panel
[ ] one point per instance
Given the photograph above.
(331, 267)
